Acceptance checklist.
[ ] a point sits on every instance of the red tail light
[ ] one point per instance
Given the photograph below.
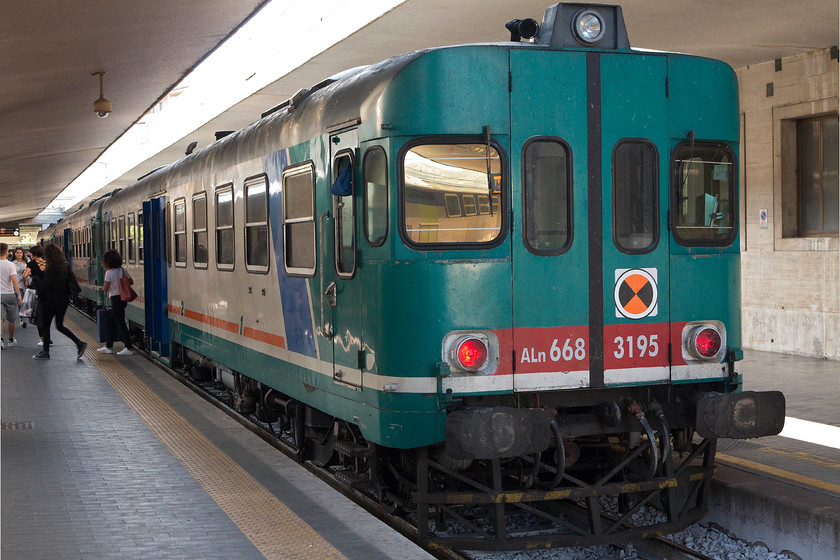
(471, 354)
(707, 342)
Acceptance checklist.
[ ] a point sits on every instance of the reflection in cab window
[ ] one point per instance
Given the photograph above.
(635, 196)
(441, 183)
(548, 197)
(703, 183)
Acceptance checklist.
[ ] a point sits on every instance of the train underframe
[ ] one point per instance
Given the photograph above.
(608, 454)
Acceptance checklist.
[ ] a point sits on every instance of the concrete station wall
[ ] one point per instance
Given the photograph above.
(790, 284)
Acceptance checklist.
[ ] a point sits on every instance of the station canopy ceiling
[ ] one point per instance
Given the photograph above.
(49, 133)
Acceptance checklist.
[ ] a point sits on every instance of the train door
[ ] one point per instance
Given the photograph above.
(155, 294)
(67, 246)
(628, 100)
(343, 291)
(550, 242)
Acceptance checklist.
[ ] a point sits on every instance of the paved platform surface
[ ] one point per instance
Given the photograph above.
(109, 457)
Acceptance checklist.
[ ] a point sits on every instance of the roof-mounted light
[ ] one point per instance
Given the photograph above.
(588, 26)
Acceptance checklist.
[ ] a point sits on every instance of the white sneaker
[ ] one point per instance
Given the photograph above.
(12, 342)
(125, 352)
(40, 343)
(105, 350)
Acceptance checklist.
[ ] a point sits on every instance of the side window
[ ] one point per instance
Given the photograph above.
(224, 228)
(256, 224)
(140, 247)
(344, 210)
(299, 220)
(199, 229)
(180, 230)
(375, 173)
(635, 196)
(132, 238)
(703, 194)
(547, 196)
(121, 247)
(112, 240)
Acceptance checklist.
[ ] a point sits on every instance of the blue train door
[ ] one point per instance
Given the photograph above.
(628, 106)
(154, 271)
(343, 290)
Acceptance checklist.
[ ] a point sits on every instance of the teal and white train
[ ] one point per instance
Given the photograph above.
(484, 278)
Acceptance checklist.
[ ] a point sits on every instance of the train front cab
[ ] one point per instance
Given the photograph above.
(623, 267)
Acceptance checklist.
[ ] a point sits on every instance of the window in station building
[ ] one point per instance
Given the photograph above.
(224, 228)
(180, 230)
(256, 224)
(817, 176)
(200, 230)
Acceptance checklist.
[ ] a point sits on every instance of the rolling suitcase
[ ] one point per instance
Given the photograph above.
(102, 325)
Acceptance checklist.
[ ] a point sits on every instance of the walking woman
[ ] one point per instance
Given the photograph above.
(116, 318)
(32, 276)
(54, 291)
(20, 267)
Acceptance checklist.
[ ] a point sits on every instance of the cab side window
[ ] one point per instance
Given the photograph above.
(375, 173)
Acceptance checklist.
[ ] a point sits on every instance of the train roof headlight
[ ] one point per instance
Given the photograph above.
(588, 26)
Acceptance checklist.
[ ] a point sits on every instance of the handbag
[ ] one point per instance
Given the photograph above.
(127, 293)
(27, 306)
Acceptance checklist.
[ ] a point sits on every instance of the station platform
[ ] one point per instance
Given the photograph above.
(784, 490)
(110, 457)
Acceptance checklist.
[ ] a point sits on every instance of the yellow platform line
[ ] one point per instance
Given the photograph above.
(276, 531)
(787, 475)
